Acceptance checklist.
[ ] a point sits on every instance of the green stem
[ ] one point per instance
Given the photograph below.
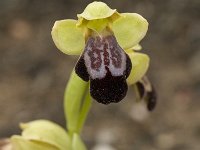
(77, 103)
(84, 111)
(74, 93)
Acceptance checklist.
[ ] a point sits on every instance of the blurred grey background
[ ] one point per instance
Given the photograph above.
(33, 74)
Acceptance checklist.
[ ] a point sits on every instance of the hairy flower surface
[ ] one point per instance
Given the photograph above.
(105, 41)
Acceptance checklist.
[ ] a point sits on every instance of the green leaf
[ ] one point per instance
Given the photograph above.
(67, 37)
(140, 64)
(129, 29)
(47, 132)
(77, 143)
(74, 94)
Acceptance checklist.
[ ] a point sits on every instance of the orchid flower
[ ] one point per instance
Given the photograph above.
(105, 41)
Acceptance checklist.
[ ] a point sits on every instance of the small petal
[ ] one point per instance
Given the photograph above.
(129, 29)
(67, 37)
(140, 64)
(97, 10)
(137, 47)
(98, 25)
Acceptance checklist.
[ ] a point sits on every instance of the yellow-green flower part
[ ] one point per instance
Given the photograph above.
(41, 135)
(105, 41)
(129, 28)
(97, 10)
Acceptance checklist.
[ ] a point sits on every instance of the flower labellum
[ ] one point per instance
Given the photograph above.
(107, 66)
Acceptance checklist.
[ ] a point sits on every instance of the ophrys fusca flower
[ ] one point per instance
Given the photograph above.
(105, 41)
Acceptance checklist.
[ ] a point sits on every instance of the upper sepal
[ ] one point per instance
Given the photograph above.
(97, 10)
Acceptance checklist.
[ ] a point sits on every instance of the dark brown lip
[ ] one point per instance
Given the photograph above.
(107, 66)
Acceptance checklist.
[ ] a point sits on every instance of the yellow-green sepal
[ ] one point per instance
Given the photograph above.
(68, 37)
(97, 10)
(129, 29)
(43, 133)
(20, 143)
(140, 64)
